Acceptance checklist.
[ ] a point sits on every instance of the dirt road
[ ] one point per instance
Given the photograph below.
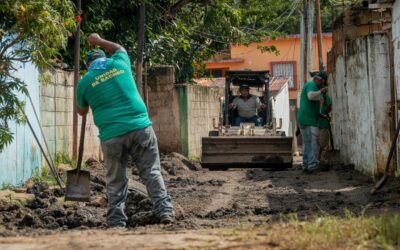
(205, 201)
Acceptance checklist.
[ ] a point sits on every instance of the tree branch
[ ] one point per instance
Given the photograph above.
(6, 47)
(182, 3)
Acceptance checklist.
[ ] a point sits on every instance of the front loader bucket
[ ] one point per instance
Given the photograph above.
(221, 152)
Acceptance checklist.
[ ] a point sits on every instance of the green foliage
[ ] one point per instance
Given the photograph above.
(270, 49)
(6, 185)
(44, 176)
(324, 232)
(384, 231)
(185, 37)
(62, 158)
(30, 30)
(389, 231)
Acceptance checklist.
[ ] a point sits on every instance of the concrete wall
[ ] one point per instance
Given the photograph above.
(396, 64)
(181, 114)
(203, 105)
(360, 91)
(57, 102)
(396, 43)
(164, 108)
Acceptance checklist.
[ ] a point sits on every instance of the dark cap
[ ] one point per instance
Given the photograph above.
(94, 54)
(323, 75)
(244, 86)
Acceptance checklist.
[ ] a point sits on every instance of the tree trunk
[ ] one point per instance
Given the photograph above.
(140, 48)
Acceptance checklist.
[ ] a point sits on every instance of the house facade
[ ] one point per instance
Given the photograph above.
(284, 64)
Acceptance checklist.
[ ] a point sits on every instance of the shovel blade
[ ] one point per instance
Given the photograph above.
(78, 186)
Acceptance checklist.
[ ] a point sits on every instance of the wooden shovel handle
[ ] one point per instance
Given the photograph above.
(81, 144)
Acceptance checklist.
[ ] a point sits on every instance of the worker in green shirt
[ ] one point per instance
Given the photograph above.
(308, 120)
(119, 112)
(324, 136)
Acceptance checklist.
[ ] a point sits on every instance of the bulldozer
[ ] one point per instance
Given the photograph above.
(247, 145)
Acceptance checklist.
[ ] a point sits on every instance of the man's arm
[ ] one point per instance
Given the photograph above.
(316, 95)
(233, 104)
(110, 47)
(257, 100)
(82, 107)
(328, 109)
(82, 111)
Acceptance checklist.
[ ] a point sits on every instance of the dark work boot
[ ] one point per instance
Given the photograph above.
(167, 219)
(304, 171)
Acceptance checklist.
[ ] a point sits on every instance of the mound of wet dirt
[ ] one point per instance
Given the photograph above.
(48, 210)
(226, 213)
(185, 182)
(176, 164)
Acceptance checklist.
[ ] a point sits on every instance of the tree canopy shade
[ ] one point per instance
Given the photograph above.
(185, 33)
(30, 30)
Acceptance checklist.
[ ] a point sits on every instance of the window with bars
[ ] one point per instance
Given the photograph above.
(285, 69)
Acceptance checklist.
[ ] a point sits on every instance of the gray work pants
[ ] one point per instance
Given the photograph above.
(141, 146)
(311, 147)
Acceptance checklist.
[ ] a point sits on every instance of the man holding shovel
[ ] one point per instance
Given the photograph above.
(308, 119)
(119, 112)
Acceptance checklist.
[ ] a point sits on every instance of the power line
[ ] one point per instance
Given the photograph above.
(209, 36)
(294, 6)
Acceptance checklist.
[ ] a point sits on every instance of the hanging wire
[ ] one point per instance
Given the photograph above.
(211, 36)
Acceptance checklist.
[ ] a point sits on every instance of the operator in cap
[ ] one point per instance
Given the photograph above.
(247, 106)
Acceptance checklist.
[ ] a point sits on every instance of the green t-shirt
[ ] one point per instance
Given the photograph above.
(308, 114)
(113, 97)
(324, 123)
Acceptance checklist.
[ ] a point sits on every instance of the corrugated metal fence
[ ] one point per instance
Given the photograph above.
(21, 159)
(53, 102)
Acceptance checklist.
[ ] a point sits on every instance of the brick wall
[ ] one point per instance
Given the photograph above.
(56, 104)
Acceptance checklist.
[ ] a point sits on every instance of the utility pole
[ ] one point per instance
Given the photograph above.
(305, 39)
(302, 48)
(140, 48)
(77, 55)
(319, 34)
(145, 89)
(310, 30)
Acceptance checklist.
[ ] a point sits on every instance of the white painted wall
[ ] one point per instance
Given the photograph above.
(360, 93)
(396, 42)
(396, 55)
(282, 109)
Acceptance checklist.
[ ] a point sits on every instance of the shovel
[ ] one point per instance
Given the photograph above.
(331, 139)
(78, 181)
(385, 177)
